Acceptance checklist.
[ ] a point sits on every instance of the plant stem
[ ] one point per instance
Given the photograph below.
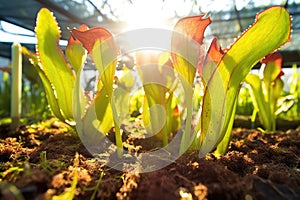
(165, 135)
(97, 186)
(186, 139)
(118, 133)
(253, 117)
(16, 85)
(118, 136)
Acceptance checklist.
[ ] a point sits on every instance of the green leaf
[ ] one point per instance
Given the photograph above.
(208, 65)
(272, 69)
(273, 85)
(127, 80)
(53, 62)
(276, 92)
(259, 100)
(102, 103)
(271, 28)
(49, 89)
(173, 114)
(87, 125)
(76, 55)
(294, 80)
(186, 42)
(223, 145)
(105, 59)
(154, 118)
(50, 94)
(103, 50)
(158, 80)
(122, 94)
(187, 38)
(75, 51)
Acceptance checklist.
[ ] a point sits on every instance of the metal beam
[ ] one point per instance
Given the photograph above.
(56, 8)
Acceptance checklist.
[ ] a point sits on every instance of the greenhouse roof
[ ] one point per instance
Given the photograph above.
(229, 18)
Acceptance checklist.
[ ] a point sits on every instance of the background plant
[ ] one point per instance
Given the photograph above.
(266, 90)
(290, 102)
(159, 107)
(5, 87)
(34, 103)
(287, 104)
(244, 104)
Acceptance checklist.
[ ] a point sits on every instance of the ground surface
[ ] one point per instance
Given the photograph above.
(40, 162)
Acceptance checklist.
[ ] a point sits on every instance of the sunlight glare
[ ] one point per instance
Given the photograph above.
(145, 14)
(155, 13)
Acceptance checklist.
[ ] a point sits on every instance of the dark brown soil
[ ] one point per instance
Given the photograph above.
(257, 166)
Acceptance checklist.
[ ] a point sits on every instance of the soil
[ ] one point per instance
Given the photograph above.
(42, 161)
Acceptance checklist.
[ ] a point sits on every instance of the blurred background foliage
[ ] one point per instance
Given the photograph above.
(34, 103)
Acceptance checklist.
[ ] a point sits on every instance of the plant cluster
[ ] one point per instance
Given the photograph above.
(290, 108)
(34, 103)
(221, 73)
(264, 94)
(267, 90)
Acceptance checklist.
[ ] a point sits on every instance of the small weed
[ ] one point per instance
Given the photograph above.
(44, 164)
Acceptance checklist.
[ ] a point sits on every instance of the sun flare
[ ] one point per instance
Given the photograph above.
(153, 14)
(145, 14)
